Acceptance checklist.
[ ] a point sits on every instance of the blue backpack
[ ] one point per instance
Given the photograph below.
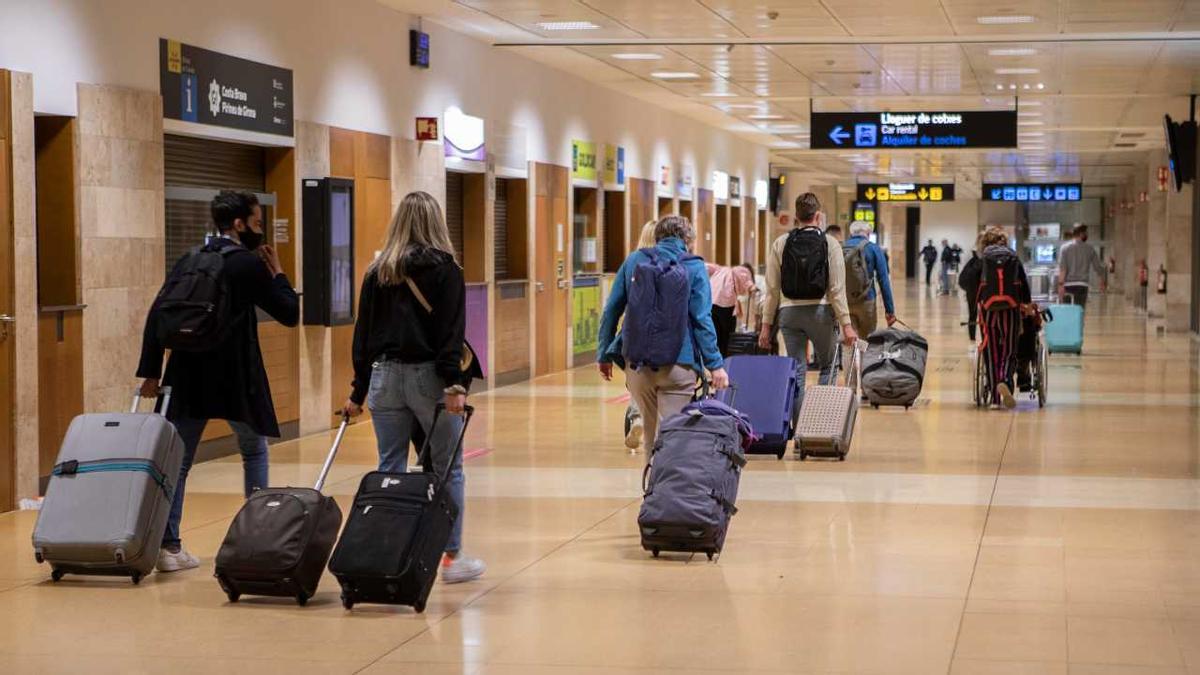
(656, 313)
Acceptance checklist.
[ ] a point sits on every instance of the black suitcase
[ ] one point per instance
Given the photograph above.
(280, 540)
(398, 528)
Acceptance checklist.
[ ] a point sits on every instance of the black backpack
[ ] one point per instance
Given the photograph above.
(194, 312)
(999, 283)
(805, 269)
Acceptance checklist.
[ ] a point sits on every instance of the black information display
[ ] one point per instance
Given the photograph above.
(198, 85)
(920, 130)
(906, 192)
(1032, 192)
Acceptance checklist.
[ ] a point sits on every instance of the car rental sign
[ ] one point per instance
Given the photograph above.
(206, 87)
(916, 130)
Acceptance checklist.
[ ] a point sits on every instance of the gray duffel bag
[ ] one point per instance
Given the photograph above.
(893, 367)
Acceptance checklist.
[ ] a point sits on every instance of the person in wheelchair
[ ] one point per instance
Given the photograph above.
(1007, 316)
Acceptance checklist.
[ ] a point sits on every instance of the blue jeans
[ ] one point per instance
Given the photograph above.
(404, 393)
(801, 323)
(254, 466)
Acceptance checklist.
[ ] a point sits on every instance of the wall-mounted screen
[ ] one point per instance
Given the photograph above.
(328, 251)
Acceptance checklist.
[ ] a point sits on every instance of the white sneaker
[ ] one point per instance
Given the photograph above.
(176, 562)
(633, 439)
(460, 569)
(1006, 396)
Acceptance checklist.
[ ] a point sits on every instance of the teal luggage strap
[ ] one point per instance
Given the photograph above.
(74, 467)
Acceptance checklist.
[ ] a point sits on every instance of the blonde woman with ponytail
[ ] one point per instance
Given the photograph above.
(408, 346)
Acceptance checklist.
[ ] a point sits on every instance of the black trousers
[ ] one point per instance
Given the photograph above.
(1078, 294)
(725, 323)
(928, 272)
(972, 317)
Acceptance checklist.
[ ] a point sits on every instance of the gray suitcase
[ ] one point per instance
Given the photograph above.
(109, 495)
(827, 416)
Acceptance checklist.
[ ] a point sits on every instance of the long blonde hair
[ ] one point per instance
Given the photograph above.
(647, 239)
(418, 222)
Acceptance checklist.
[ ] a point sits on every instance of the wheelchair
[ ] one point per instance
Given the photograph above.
(982, 388)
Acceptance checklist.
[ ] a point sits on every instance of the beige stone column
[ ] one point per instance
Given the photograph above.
(316, 342)
(122, 234)
(24, 332)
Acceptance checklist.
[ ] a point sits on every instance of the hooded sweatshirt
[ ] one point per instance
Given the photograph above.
(393, 325)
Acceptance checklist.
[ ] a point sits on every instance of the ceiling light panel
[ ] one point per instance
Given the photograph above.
(555, 26)
(638, 56)
(1004, 19)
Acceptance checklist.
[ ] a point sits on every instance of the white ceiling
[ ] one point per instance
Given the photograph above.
(1089, 110)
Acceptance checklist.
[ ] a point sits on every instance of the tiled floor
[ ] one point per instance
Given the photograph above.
(953, 540)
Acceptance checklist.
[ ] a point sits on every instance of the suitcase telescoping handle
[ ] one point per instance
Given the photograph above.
(426, 457)
(161, 404)
(854, 370)
(337, 443)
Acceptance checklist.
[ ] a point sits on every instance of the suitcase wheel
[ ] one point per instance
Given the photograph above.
(136, 577)
(302, 599)
(654, 552)
(347, 601)
(39, 558)
(419, 607)
(233, 596)
(803, 455)
(710, 555)
(842, 458)
(56, 574)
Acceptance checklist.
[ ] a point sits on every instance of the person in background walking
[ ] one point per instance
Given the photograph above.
(661, 389)
(408, 346)
(930, 255)
(866, 266)
(806, 284)
(1077, 260)
(947, 262)
(968, 281)
(634, 426)
(228, 381)
(728, 284)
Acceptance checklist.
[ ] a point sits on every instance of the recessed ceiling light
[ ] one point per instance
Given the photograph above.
(567, 25)
(1027, 103)
(1012, 86)
(1012, 51)
(740, 106)
(1017, 71)
(1032, 133)
(675, 75)
(766, 117)
(719, 94)
(1029, 123)
(1005, 19)
(1000, 87)
(638, 56)
(1041, 85)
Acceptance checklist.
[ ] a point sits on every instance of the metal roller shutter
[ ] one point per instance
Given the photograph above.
(207, 164)
(454, 211)
(501, 219)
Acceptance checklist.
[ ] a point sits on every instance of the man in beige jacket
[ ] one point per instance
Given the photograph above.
(808, 318)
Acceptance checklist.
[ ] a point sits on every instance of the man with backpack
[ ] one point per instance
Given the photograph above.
(667, 338)
(807, 269)
(930, 255)
(865, 265)
(205, 315)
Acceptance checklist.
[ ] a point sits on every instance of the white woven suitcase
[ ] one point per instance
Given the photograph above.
(828, 414)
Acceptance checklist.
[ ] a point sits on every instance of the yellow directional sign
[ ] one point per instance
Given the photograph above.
(922, 194)
(906, 192)
(935, 194)
(883, 194)
(870, 193)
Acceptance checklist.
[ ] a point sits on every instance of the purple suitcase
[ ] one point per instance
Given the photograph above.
(766, 389)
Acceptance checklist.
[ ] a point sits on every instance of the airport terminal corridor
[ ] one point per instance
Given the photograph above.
(951, 540)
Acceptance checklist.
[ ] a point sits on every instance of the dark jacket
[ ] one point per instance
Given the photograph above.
(968, 278)
(929, 254)
(229, 382)
(393, 325)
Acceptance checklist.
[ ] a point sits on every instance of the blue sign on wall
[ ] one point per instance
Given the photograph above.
(1032, 192)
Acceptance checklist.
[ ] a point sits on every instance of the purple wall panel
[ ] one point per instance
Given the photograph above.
(477, 322)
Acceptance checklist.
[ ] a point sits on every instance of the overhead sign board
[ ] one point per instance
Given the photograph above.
(614, 165)
(206, 87)
(905, 192)
(583, 160)
(1032, 192)
(920, 130)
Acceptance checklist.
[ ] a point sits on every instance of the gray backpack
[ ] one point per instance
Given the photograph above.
(858, 280)
(691, 484)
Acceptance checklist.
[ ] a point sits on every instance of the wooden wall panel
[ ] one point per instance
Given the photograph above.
(57, 215)
(749, 232)
(60, 382)
(281, 345)
(8, 455)
(705, 218)
(518, 229)
(512, 331)
(643, 207)
(552, 302)
(475, 250)
(721, 256)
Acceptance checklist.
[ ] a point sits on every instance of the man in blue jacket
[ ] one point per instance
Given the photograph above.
(860, 281)
(663, 391)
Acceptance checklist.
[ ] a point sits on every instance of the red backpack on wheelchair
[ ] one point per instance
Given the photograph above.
(1000, 280)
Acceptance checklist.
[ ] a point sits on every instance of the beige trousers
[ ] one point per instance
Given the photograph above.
(659, 394)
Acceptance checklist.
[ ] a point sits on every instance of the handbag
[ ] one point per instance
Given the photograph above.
(469, 364)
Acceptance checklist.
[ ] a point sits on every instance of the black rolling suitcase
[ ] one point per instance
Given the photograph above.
(280, 540)
(398, 528)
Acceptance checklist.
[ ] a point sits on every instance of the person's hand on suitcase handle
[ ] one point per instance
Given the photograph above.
(764, 336)
(720, 379)
(149, 388)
